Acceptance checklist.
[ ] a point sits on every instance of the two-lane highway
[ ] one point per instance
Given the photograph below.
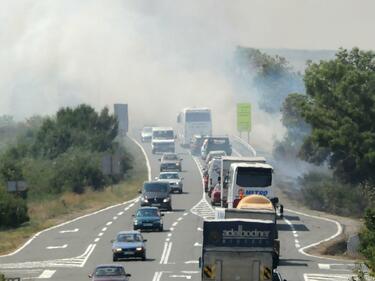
(71, 251)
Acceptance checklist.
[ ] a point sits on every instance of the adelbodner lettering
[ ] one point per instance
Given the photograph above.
(240, 233)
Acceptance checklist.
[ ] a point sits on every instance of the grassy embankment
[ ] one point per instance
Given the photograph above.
(47, 210)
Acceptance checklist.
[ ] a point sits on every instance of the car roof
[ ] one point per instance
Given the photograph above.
(129, 232)
(110, 265)
(148, 208)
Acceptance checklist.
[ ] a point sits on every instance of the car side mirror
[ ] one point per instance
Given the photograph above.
(128, 275)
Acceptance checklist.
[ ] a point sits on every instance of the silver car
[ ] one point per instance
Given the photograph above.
(174, 180)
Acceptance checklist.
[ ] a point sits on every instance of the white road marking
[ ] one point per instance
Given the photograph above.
(70, 231)
(109, 223)
(171, 228)
(185, 214)
(46, 274)
(296, 242)
(157, 276)
(167, 239)
(74, 262)
(104, 229)
(168, 253)
(57, 247)
(200, 229)
(197, 244)
(100, 234)
(127, 208)
(120, 213)
(169, 234)
(164, 252)
(191, 262)
(337, 266)
(147, 160)
(175, 223)
(188, 277)
(96, 239)
(115, 218)
(326, 277)
(179, 219)
(131, 205)
(190, 272)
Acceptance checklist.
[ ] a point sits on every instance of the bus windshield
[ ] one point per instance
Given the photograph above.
(163, 135)
(198, 117)
(254, 177)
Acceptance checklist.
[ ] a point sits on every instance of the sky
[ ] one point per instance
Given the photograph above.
(157, 56)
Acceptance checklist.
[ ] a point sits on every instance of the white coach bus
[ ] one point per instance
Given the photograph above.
(193, 121)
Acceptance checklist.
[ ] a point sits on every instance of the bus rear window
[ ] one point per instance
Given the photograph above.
(254, 177)
(198, 117)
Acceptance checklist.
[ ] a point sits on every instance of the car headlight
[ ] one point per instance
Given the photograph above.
(177, 164)
(139, 249)
(117, 250)
(167, 199)
(144, 199)
(135, 222)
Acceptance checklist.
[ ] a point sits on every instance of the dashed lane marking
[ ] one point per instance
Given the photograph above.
(100, 234)
(46, 274)
(57, 247)
(109, 223)
(197, 244)
(96, 239)
(69, 231)
(191, 262)
(337, 266)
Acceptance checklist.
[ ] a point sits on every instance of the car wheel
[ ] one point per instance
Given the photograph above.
(170, 208)
(180, 191)
(161, 229)
(115, 258)
(144, 257)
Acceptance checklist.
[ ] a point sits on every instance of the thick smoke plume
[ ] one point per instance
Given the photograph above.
(158, 56)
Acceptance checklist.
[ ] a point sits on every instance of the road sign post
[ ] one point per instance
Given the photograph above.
(244, 119)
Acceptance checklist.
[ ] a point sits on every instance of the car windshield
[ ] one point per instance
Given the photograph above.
(129, 237)
(170, 157)
(155, 187)
(169, 176)
(148, 213)
(109, 271)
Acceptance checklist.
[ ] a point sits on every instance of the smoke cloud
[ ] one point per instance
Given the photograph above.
(158, 56)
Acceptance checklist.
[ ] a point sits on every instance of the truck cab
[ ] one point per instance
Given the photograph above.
(163, 140)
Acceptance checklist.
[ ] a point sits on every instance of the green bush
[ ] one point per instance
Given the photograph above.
(13, 210)
(322, 192)
(367, 237)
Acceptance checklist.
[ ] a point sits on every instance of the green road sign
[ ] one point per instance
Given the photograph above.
(244, 117)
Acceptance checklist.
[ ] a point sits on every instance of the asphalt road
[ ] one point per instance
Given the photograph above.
(70, 252)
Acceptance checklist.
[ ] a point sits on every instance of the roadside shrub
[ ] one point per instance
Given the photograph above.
(322, 192)
(13, 210)
(367, 237)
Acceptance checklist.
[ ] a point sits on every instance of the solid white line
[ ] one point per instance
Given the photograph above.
(146, 157)
(249, 146)
(191, 262)
(236, 152)
(164, 252)
(338, 232)
(168, 253)
(155, 276)
(88, 255)
(46, 274)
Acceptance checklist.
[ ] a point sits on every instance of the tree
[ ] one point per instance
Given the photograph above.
(340, 108)
(272, 76)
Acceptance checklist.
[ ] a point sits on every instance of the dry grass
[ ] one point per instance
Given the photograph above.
(47, 212)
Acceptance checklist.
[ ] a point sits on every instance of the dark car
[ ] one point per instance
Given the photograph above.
(216, 143)
(148, 218)
(109, 272)
(129, 244)
(196, 144)
(170, 162)
(156, 194)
